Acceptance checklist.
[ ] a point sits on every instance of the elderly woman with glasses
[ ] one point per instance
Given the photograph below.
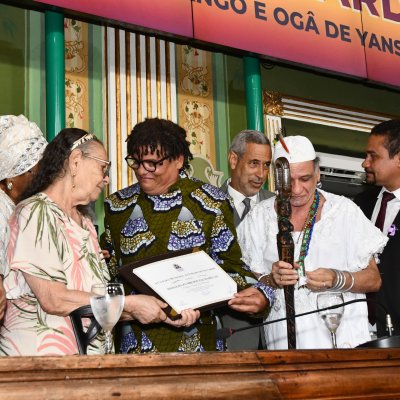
(53, 254)
(21, 147)
(166, 211)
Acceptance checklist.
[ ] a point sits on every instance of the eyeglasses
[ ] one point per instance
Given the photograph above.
(148, 165)
(106, 167)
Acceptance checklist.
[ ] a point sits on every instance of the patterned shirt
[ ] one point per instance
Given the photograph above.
(192, 214)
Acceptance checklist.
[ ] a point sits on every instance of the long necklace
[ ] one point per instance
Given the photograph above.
(308, 230)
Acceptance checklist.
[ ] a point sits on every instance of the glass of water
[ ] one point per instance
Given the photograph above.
(333, 316)
(107, 302)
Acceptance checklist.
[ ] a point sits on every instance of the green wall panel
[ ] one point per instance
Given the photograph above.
(222, 126)
(12, 60)
(96, 101)
(35, 90)
(317, 87)
(326, 88)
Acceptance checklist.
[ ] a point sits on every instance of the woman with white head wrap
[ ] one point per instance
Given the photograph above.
(21, 147)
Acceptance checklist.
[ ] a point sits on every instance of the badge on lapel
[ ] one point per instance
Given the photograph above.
(392, 230)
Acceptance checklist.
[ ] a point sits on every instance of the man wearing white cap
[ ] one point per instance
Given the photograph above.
(21, 147)
(334, 244)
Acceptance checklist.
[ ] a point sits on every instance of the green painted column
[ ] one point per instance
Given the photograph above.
(55, 73)
(252, 81)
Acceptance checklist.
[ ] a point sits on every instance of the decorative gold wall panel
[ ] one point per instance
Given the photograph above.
(195, 99)
(76, 74)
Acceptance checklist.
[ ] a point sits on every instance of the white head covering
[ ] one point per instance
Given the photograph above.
(300, 150)
(21, 145)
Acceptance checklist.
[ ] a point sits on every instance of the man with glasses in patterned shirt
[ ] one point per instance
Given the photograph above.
(166, 211)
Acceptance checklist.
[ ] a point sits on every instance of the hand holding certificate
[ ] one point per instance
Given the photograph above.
(187, 281)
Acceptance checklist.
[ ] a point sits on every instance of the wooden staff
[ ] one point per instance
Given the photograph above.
(285, 240)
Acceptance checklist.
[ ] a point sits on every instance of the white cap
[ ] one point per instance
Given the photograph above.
(300, 150)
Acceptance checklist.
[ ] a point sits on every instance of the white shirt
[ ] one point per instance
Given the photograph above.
(393, 207)
(238, 198)
(343, 239)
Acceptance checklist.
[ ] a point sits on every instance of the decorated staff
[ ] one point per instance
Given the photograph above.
(285, 240)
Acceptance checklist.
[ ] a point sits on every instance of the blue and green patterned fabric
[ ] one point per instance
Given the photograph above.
(192, 214)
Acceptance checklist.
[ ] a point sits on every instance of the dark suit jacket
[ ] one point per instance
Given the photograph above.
(251, 339)
(264, 194)
(389, 266)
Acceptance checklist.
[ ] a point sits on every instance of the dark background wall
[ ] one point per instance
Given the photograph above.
(314, 86)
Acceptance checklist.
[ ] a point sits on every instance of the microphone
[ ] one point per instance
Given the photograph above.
(225, 333)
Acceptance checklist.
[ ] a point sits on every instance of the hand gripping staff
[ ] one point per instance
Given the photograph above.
(284, 239)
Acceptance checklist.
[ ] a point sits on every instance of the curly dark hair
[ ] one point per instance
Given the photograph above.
(52, 164)
(391, 130)
(152, 133)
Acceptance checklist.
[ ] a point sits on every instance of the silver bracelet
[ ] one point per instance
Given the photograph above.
(351, 284)
(336, 281)
(343, 282)
(340, 281)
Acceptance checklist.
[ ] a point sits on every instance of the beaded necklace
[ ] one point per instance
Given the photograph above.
(308, 230)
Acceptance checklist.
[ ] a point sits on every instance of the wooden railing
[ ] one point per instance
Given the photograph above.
(314, 374)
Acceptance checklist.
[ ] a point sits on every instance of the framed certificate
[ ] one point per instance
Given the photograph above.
(183, 280)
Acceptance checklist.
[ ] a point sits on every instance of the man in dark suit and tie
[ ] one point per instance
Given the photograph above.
(249, 160)
(382, 205)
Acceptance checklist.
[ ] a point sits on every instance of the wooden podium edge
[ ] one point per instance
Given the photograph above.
(313, 374)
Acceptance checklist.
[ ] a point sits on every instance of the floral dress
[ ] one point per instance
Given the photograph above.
(47, 244)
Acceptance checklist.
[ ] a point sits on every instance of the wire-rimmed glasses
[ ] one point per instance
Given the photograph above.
(106, 166)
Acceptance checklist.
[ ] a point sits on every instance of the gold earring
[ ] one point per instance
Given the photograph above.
(10, 186)
(73, 181)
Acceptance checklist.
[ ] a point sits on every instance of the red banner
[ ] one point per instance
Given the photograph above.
(381, 39)
(171, 16)
(355, 37)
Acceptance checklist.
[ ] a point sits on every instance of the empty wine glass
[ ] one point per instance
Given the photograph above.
(331, 317)
(107, 301)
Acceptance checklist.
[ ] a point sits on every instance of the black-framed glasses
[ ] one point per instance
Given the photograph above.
(106, 167)
(148, 165)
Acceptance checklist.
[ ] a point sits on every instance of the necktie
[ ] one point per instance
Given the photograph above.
(246, 202)
(379, 223)
(380, 219)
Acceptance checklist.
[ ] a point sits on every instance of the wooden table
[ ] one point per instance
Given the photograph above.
(313, 374)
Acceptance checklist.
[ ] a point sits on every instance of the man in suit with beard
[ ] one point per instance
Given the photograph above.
(382, 205)
(249, 160)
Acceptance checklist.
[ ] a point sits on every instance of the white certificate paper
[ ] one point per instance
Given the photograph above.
(190, 281)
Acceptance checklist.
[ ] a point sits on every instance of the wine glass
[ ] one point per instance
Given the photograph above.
(331, 317)
(107, 301)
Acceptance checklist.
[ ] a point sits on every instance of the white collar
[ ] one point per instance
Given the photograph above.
(238, 197)
(395, 192)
